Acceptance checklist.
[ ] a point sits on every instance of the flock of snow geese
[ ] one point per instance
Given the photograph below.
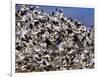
(51, 41)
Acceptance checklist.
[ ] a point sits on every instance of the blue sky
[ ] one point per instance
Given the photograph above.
(84, 15)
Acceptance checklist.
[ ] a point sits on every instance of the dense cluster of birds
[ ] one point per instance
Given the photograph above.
(51, 41)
